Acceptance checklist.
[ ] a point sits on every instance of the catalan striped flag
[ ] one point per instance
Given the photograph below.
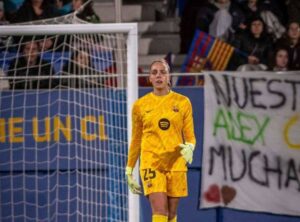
(207, 52)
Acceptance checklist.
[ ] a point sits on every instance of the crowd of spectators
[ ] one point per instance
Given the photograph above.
(256, 28)
(32, 65)
(265, 33)
(19, 11)
(28, 61)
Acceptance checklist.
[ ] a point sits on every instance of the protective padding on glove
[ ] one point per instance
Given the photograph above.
(134, 187)
(186, 151)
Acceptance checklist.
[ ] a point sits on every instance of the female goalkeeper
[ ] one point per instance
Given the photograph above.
(163, 137)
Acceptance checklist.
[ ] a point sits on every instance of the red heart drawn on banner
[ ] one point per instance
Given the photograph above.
(213, 194)
(228, 194)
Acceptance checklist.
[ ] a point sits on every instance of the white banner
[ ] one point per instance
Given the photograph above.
(251, 152)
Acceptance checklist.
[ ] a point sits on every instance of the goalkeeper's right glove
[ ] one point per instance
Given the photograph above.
(186, 151)
(134, 187)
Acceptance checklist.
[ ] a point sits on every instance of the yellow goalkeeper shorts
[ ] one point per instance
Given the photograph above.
(174, 183)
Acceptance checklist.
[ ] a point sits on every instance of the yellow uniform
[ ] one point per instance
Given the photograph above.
(159, 125)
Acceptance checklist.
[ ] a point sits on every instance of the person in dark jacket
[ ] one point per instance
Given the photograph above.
(30, 64)
(291, 41)
(253, 46)
(251, 8)
(293, 10)
(34, 10)
(188, 22)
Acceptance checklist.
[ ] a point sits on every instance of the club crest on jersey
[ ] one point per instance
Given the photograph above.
(164, 124)
(149, 184)
(175, 109)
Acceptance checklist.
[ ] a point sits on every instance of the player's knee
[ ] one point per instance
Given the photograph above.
(160, 211)
(172, 213)
(159, 203)
(160, 208)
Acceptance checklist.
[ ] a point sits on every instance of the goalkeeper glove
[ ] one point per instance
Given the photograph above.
(186, 151)
(132, 184)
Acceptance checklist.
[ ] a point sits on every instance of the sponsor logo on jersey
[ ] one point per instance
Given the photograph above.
(164, 124)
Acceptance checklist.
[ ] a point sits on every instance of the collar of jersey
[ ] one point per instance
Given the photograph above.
(160, 97)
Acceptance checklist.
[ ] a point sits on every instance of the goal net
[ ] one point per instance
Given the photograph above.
(65, 94)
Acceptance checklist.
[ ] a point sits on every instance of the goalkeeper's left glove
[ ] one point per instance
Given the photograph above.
(134, 187)
(186, 151)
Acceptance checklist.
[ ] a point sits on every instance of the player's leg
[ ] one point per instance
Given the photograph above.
(172, 208)
(159, 218)
(176, 188)
(154, 186)
(159, 206)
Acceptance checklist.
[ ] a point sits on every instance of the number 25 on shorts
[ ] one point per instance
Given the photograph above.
(149, 174)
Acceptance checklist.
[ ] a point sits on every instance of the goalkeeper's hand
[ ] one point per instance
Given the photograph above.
(134, 187)
(186, 151)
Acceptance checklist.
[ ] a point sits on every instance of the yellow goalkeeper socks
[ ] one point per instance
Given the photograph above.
(174, 219)
(159, 218)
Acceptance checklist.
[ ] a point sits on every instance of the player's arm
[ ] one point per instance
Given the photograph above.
(187, 148)
(136, 137)
(134, 149)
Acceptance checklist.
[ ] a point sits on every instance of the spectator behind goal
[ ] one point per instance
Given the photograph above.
(34, 10)
(63, 7)
(30, 64)
(80, 64)
(4, 40)
(87, 12)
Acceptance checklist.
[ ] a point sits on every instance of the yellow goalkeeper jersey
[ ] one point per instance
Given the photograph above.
(159, 125)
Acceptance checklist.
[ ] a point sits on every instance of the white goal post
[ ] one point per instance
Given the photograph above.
(87, 117)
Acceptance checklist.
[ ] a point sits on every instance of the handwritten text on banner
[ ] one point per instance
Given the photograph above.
(251, 153)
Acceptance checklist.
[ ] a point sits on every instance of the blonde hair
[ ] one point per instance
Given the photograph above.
(164, 62)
